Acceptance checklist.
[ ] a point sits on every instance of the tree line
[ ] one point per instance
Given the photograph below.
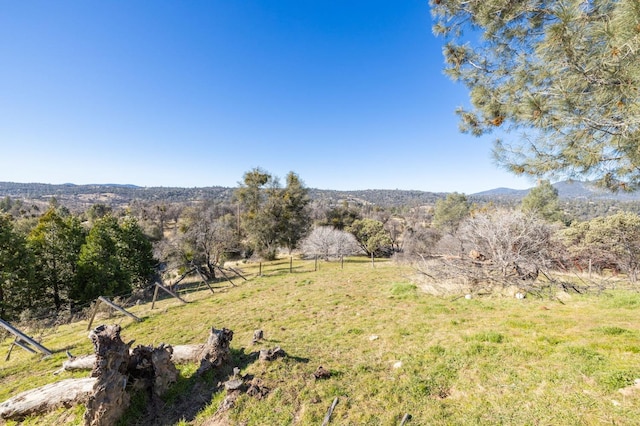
(61, 262)
(58, 261)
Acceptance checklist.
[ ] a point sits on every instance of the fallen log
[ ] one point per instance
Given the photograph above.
(182, 354)
(65, 393)
(84, 362)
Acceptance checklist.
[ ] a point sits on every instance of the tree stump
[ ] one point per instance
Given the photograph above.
(271, 354)
(215, 351)
(258, 335)
(181, 355)
(110, 398)
(152, 368)
(321, 373)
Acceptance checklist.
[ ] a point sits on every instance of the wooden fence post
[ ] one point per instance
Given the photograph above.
(204, 280)
(161, 287)
(291, 264)
(155, 295)
(112, 305)
(93, 314)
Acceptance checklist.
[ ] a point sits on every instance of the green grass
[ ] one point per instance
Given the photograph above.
(480, 361)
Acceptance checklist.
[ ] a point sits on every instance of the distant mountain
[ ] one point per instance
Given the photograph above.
(568, 190)
(501, 192)
(115, 194)
(380, 197)
(82, 196)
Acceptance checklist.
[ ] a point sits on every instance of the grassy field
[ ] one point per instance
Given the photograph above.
(391, 350)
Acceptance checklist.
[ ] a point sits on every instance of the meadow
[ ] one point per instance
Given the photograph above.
(391, 349)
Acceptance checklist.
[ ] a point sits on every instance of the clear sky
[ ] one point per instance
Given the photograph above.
(349, 94)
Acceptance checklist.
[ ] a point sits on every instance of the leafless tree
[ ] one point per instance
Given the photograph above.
(204, 239)
(515, 243)
(417, 244)
(501, 247)
(329, 243)
(395, 227)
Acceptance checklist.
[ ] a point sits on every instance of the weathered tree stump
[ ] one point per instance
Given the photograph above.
(321, 373)
(181, 355)
(258, 335)
(152, 368)
(110, 398)
(257, 389)
(271, 354)
(216, 350)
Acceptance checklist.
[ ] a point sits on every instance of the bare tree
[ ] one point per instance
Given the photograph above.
(503, 247)
(420, 243)
(205, 238)
(329, 243)
(515, 243)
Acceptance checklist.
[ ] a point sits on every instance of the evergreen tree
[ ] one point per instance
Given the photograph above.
(250, 193)
(55, 243)
(450, 212)
(341, 217)
(17, 289)
(272, 216)
(371, 236)
(100, 272)
(543, 200)
(135, 253)
(296, 217)
(562, 75)
(114, 259)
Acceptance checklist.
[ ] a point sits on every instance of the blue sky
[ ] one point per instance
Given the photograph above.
(349, 94)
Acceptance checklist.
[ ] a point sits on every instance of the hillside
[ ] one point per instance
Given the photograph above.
(391, 350)
(119, 195)
(567, 190)
(580, 200)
